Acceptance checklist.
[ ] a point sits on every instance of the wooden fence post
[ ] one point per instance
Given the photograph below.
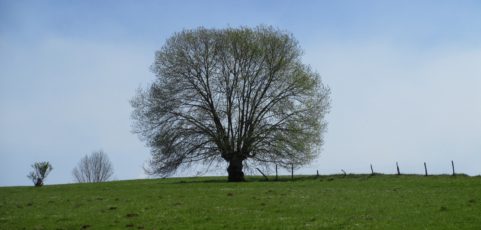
(397, 166)
(292, 171)
(425, 169)
(276, 173)
(452, 164)
(264, 175)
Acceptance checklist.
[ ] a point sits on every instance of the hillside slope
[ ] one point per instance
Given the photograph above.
(327, 202)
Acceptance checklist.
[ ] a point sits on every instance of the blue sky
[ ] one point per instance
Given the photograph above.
(405, 79)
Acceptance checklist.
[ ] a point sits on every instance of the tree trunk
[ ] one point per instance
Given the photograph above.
(235, 170)
(39, 182)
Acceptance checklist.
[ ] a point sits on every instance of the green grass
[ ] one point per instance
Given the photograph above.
(327, 202)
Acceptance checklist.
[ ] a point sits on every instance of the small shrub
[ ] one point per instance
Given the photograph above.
(93, 168)
(40, 172)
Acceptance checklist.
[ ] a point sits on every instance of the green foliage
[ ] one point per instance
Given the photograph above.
(328, 202)
(40, 172)
(238, 95)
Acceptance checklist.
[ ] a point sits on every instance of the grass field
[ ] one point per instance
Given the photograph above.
(326, 202)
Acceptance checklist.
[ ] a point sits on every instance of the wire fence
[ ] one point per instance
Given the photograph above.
(373, 172)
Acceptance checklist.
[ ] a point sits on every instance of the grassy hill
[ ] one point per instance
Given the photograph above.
(326, 202)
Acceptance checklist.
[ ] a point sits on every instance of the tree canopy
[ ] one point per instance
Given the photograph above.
(231, 95)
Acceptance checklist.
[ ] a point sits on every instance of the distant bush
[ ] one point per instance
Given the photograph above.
(95, 167)
(40, 172)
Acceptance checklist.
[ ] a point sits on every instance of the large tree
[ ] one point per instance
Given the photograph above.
(231, 95)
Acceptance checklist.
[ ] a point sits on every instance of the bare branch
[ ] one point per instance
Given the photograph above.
(95, 167)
